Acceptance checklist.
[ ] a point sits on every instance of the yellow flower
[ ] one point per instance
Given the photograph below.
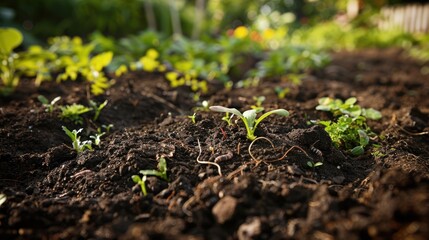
(268, 34)
(149, 64)
(152, 53)
(241, 32)
(121, 70)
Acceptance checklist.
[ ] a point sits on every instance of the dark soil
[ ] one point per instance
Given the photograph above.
(54, 193)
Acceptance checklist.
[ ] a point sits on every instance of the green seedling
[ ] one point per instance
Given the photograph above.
(348, 107)
(228, 118)
(192, 117)
(73, 112)
(249, 117)
(49, 106)
(97, 137)
(350, 129)
(161, 173)
(314, 164)
(107, 127)
(258, 103)
(77, 144)
(3, 199)
(140, 181)
(97, 108)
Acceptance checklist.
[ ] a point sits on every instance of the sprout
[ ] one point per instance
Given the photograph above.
(249, 117)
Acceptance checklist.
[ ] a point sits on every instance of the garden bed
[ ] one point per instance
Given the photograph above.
(54, 193)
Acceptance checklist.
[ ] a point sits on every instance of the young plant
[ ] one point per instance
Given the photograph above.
(192, 117)
(97, 108)
(77, 144)
(314, 164)
(140, 181)
(73, 112)
(107, 127)
(249, 117)
(96, 137)
(49, 106)
(337, 107)
(228, 118)
(350, 129)
(161, 173)
(10, 38)
(258, 103)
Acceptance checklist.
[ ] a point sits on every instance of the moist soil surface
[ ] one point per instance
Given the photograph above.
(265, 192)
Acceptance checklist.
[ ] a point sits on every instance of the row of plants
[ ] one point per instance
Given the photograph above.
(334, 36)
(183, 61)
(66, 58)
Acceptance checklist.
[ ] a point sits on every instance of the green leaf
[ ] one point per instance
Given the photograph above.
(225, 109)
(10, 38)
(250, 116)
(101, 60)
(136, 178)
(371, 113)
(357, 150)
(43, 99)
(351, 101)
(363, 138)
(318, 164)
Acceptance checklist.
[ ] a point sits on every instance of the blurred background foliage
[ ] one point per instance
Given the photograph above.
(42, 19)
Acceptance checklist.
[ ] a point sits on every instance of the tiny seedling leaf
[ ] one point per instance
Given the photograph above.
(225, 110)
(358, 150)
(371, 113)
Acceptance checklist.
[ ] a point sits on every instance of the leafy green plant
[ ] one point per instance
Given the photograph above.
(349, 130)
(49, 106)
(10, 38)
(73, 112)
(97, 108)
(77, 144)
(161, 173)
(249, 117)
(348, 107)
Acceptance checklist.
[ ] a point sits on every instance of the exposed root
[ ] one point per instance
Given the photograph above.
(272, 145)
(411, 133)
(185, 206)
(206, 162)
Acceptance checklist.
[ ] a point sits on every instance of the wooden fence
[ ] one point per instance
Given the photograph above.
(410, 18)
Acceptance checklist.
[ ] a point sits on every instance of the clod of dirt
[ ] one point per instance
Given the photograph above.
(224, 209)
(317, 143)
(250, 230)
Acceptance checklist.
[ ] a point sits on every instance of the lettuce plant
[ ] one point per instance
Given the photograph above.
(249, 117)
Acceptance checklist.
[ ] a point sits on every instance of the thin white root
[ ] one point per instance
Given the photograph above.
(272, 145)
(206, 162)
